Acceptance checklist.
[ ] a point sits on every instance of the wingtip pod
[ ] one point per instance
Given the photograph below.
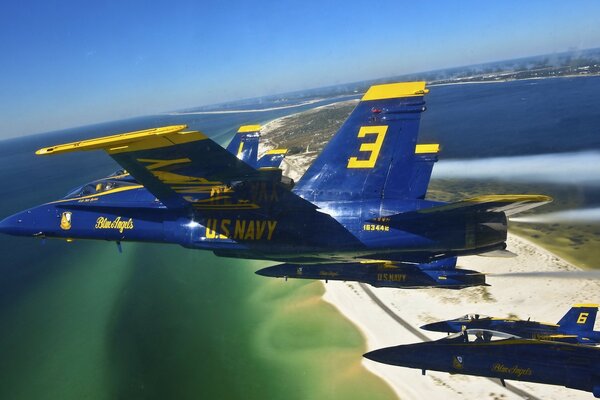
(114, 142)
(395, 90)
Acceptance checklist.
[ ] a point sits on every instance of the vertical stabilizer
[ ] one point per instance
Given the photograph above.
(580, 318)
(374, 155)
(244, 145)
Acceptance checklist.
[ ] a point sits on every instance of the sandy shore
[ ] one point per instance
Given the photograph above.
(542, 299)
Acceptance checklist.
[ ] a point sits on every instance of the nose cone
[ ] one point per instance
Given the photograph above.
(18, 224)
(408, 355)
(383, 356)
(442, 326)
(276, 271)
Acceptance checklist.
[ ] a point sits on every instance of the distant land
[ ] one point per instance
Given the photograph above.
(569, 63)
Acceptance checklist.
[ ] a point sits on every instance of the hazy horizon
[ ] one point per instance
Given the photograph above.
(76, 65)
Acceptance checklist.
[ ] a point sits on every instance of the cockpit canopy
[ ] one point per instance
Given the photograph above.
(472, 317)
(97, 187)
(479, 336)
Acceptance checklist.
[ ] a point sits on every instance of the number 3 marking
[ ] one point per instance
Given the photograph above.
(373, 148)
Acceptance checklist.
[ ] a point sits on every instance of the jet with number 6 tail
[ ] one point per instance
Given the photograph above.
(358, 213)
(576, 326)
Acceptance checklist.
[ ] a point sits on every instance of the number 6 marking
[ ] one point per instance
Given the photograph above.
(372, 148)
(582, 318)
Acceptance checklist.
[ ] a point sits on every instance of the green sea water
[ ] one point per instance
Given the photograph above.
(82, 321)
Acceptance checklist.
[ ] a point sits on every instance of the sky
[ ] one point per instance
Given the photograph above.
(71, 63)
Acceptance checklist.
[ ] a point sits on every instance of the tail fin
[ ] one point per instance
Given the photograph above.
(373, 155)
(244, 144)
(580, 318)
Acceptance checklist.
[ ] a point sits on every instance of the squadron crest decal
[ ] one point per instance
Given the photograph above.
(65, 221)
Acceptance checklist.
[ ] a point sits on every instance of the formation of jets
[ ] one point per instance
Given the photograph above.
(359, 213)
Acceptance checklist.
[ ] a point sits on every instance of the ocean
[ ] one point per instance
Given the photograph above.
(81, 320)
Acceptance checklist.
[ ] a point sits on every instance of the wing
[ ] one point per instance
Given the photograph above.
(186, 169)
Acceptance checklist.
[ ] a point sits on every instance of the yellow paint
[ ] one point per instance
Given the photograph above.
(515, 370)
(582, 318)
(492, 198)
(240, 148)
(427, 148)
(249, 128)
(65, 221)
(157, 164)
(376, 227)
(240, 229)
(391, 277)
(113, 140)
(586, 305)
(372, 148)
(395, 90)
(510, 198)
(112, 191)
(329, 274)
(159, 142)
(456, 363)
(277, 151)
(117, 223)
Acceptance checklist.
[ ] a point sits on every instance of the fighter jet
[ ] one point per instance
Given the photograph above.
(359, 208)
(499, 356)
(576, 326)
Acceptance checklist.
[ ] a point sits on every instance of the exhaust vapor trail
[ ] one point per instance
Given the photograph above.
(580, 216)
(551, 274)
(562, 168)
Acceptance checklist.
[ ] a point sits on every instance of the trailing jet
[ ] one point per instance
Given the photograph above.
(576, 326)
(572, 365)
(360, 207)
(244, 145)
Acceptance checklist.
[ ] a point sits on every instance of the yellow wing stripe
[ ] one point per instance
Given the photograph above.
(585, 305)
(509, 198)
(130, 141)
(427, 148)
(112, 191)
(395, 90)
(277, 151)
(249, 128)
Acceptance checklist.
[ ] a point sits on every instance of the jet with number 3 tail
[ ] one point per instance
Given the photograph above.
(359, 212)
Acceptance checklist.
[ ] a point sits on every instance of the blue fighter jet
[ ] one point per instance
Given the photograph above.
(576, 326)
(499, 356)
(358, 213)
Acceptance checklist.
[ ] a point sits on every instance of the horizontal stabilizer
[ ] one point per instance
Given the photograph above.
(510, 204)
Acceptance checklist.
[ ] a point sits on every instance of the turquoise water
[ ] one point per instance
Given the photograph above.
(80, 320)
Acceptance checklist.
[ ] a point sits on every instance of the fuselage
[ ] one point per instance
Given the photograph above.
(117, 208)
(521, 328)
(569, 365)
